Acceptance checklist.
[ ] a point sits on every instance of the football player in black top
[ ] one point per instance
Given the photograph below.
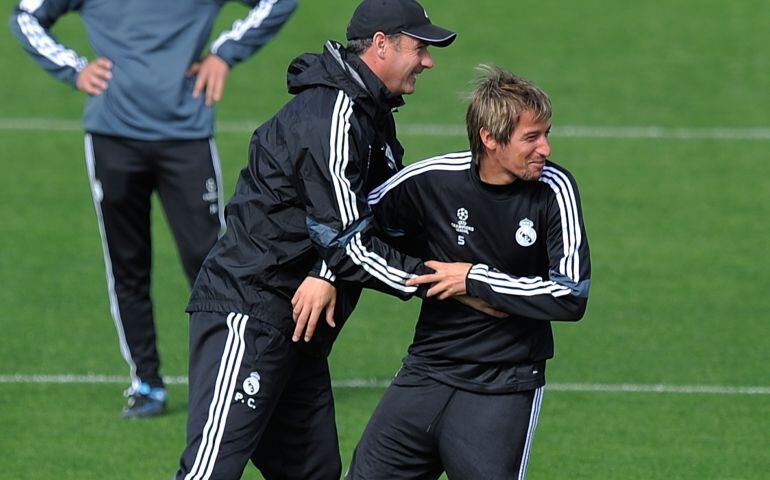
(468, 396)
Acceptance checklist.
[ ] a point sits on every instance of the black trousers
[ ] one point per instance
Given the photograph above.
(422, 428)
(255, 396)
(123, 174)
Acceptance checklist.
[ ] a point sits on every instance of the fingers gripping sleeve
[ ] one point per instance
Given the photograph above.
(339, 220)
(562, 296)
(31, 22)
(249, 34)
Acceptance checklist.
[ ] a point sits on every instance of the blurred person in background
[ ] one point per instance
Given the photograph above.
(149, 123)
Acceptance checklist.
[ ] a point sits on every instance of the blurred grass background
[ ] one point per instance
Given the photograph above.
(678, 231)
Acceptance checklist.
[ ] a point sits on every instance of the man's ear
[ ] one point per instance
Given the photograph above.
(487, 139)
(380, 44)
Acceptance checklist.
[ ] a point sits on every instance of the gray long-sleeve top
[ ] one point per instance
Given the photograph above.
(151, 45)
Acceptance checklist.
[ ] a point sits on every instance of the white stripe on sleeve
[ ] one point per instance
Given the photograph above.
(326, 272)
(451, 161)
(569, 265)
(46, 46)
(256, 16)
(521, 286)
(377, 267)
(339, 155)
(30, 6)
(340, 125)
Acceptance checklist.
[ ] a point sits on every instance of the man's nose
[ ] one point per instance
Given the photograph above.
(544, 148)
(427, 60)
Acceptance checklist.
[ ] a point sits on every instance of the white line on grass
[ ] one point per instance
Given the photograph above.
(378, 383)
(439, 130)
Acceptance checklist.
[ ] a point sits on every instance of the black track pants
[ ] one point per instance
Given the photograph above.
(123, 174)
(255, 396)
(422, 428)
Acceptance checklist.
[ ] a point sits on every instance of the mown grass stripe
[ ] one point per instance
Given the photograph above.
(380, 383)
(439, 130)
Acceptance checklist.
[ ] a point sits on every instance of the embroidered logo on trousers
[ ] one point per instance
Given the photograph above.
(251, 384)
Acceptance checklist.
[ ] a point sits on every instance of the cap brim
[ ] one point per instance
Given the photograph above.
(431, 34)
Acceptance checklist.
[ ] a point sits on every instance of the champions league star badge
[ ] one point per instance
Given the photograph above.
(461, 226)
(526, 235)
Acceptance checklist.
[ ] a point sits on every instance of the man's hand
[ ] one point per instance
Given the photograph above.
(310, 300)
(448, 279)
(212, 74)
(480, 305)
(93, 79)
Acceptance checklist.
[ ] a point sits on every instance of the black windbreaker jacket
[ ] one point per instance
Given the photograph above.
(300, 206)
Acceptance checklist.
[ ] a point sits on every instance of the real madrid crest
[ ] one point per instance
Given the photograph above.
(526, 235)
(251, 384)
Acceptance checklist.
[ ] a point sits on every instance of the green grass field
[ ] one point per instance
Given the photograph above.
(677, 218)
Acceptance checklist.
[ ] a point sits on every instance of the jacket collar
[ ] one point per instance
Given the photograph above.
(337, 68)
(362, 75)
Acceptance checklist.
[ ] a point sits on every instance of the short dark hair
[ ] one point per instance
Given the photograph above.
(360, 45)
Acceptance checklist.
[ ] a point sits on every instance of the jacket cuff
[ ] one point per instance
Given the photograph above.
(328, 280)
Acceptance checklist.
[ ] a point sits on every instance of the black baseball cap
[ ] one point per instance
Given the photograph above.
(397, 16)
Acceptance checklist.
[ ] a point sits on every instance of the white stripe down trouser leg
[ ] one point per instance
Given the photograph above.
(533, 416)
(214, 428)
(96, 194)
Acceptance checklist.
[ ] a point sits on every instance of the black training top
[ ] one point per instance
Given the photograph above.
(530, 257)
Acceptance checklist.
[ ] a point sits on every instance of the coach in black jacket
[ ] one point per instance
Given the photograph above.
(300, 209)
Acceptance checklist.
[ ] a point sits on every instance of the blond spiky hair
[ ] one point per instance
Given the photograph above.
(496, 104)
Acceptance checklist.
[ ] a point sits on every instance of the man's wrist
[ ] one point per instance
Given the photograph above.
(330, 280)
